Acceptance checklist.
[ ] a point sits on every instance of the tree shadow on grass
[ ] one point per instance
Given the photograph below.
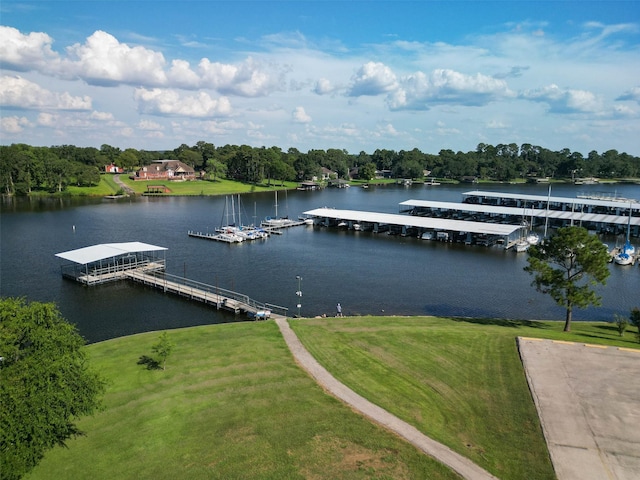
(501, 322)
(150, 363)
(611, 328)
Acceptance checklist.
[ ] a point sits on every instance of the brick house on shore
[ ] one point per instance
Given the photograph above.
(166, 170)
(113, 168)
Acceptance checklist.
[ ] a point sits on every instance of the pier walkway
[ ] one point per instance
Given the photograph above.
(219, 297)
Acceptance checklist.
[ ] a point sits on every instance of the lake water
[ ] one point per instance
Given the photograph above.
(367, 273)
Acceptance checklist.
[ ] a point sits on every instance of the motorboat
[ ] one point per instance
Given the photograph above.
(532, 238)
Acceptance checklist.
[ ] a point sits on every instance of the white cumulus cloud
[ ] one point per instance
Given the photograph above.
(13, 124)
(163, 102)
(565, 100)
(18, 92)
(323, 87)
(373, 78)
(300, 116)
(103, 60)
(420, 91)
(22, 53)
(248, 79)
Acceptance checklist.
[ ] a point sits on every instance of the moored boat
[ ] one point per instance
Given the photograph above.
(521, 246)
(533, 238)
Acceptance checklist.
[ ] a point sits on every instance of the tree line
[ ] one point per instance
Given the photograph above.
(24, 168)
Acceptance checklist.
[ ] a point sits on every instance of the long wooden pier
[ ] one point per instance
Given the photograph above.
(219, 297)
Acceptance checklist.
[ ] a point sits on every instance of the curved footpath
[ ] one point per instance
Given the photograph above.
(461, 465)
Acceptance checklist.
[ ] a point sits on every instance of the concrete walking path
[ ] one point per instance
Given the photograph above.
(461, 465)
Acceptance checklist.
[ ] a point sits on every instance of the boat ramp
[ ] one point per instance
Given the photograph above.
(144, 263)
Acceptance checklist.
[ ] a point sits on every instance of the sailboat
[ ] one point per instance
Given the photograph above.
(238, 229)
(627, 252)
(227, 233)
(276, 222)
(531, 237)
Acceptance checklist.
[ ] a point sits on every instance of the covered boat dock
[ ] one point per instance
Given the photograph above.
(602, 222)
(110, 261)
(605, 214)
(443, 229)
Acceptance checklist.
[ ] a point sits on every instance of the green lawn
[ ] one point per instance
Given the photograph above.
(206, 187)
(232, 404)
(459, 381)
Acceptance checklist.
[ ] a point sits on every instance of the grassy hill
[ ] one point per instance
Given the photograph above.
(233, 403)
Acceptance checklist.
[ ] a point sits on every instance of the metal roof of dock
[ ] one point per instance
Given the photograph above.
(525, 212)
(414, 221)
(95, 253)
(601, 202)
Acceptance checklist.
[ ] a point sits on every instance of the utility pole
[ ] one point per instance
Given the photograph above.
(299, 293)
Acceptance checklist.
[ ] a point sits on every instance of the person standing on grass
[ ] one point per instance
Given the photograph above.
(338, 310)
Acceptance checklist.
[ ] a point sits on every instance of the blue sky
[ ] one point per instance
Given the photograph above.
(358, 75)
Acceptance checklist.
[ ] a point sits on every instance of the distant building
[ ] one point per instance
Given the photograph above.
(113, 168)
(166, 170)
(469, 179)
(327, 174)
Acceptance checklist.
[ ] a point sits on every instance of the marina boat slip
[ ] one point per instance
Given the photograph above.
(605, 215)
(445, 229)
(606, 222)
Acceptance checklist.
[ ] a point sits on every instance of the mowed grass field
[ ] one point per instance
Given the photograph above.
(206, 187)
(233, 404)
(460, 381)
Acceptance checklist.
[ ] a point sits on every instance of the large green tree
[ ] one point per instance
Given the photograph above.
(45, 383)
(567, 266)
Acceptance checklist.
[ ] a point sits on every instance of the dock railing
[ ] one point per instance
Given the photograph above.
(207, 293)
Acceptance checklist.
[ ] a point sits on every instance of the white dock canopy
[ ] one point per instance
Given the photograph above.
(414, 221)
(95, 253)
(621, 203)
(528, 212)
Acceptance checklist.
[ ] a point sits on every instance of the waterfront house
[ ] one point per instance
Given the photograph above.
(166, 170)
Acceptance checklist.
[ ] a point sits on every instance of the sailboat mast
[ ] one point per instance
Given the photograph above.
(276, 205)
(546, 216)
(629, 222)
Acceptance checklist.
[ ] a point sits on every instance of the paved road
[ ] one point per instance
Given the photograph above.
(463, 466)
(588, 401)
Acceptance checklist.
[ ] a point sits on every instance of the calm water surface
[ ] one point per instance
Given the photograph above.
(365, 272)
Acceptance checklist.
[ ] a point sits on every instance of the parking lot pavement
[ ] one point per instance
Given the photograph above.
(588, 401)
